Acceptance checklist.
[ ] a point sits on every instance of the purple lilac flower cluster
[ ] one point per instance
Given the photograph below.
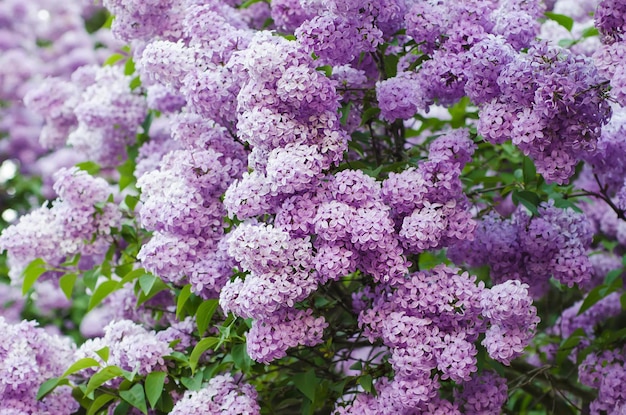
(428, 203)
(131, 347)
(529, 97)
(96, 112)
(29, 356)
(60, 231)
(531, 249)
(606, 372)
(40, 39)
(430, 322)
(222, 395)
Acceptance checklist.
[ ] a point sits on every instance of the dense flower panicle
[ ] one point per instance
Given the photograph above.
(269, 338)
(484, 394)
(56, 232)
(171, 256)
(131, 347)
(280, 271)
(55, 100)
(143, 20)
(487, 58)
(222, 395)
(513, 319)
(605, 371)
(165, 62)
(399, 97)
(531, 250)
(610, 19)
(541, 84)
(606, 163)
(297, 214)
(337, 39)
(288, 15)
(431, 321)
(29, 356)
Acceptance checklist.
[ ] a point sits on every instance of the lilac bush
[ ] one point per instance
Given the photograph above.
(312, 207)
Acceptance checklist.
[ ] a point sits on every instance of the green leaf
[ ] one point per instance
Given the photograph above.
(529, 170)
(132, 275)
(126, 170)
(134, 84)
(80, 365)
(66, 282)
(101, 292)
(241, 358)
(99, 402)
(428, 260)
(202, 346)
(327, 69)
(131, 201)
(567, 43)
(358, 365)
(565, 21)
(113, 59)
(204, 314)
(612, 276)
(590, 32)
(597, 294)
(154, 387)
(367, 383)
(306, 383)
(390, 63)
(103, 376)
(566, 347)
(529, 199)
(147, 281)
(155, 284)
(90, 278)
(48, 386)
(90, 167)
(193, 383)
(103, 353)
(32, 272)
(136, 397)
(369, 114)
(248, 3)
(184, 295)
(129, 67)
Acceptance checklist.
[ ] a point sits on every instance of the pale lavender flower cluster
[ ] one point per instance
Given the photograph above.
(222, 395)
(279, 271)
(428, 203)
(531, 249)
(606, 163)
(341, 30)
(513, 319)
(28, 357)
(269, 338)
(96, 112)
(288, 114)
(431, 321)
(60, 231)
(180, 203)
(39, 39)
(606, 372)
(131, 347)
(483, 395)
(354, 229)
(610, 19)
(142, 20)
(468, 43)
(181, 195)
